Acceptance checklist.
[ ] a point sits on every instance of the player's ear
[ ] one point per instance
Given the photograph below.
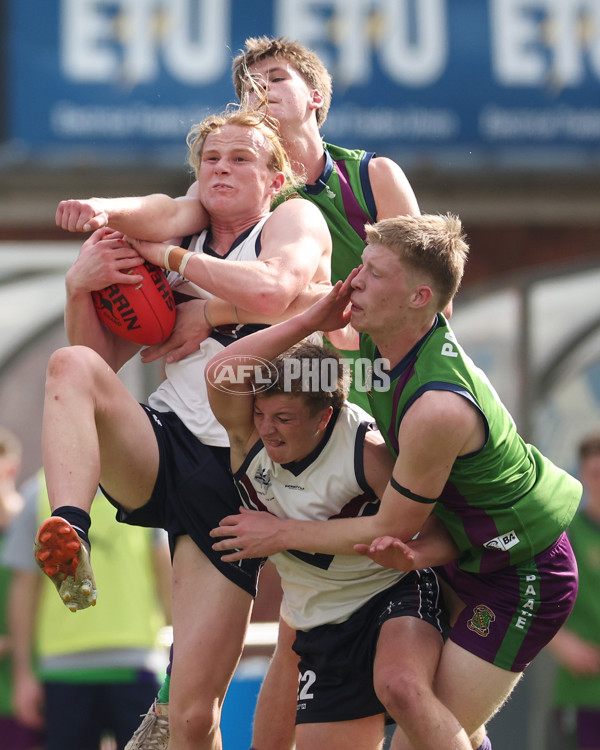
(421, 296)
(316, 99)
(325, 417)
(278, 183)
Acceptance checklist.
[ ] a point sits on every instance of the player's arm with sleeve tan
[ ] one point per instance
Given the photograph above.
(104, 259)
(153, 217)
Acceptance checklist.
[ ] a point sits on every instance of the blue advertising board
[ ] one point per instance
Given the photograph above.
(471, 77)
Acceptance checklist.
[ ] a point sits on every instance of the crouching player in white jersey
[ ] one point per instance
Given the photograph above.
(300, 450)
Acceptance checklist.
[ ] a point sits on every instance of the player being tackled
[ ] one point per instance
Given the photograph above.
(64, 557)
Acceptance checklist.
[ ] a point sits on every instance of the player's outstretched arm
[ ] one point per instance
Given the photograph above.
(155, 217)
(296, 250)
(329, 313)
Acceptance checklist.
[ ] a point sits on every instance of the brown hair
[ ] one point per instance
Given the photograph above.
(306, 62)
(332, 379)
(433, 244)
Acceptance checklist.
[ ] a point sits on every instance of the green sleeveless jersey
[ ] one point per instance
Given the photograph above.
(502, 504)
(584, 620)
(344, 196)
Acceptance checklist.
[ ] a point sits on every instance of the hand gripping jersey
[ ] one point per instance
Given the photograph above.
(184, 390)
(502, 504)
(328, 483)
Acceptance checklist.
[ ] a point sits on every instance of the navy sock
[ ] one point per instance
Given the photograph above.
(78, 518)
(485, 745)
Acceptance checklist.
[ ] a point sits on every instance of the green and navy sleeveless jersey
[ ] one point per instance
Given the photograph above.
(344, 190)
(584, 620)
(502, 504)
(344, 196)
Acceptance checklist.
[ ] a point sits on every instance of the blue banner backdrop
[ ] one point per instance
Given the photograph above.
(104, 78)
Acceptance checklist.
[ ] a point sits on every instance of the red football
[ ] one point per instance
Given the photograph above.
(144, 313)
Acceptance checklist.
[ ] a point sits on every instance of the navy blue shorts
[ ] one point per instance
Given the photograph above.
(336, 661)
(194, 490)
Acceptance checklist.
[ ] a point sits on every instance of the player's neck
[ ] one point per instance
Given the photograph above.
(305, 149)
(394, 345)
(224, 232)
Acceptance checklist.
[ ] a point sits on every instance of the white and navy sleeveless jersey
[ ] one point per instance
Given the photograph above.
(184, 389)
(328, 483)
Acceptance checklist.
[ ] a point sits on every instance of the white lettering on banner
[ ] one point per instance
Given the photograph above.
(108, 41)
(198, 53)
(544, 42)
(409, 36)
(409, 122)
(545, 124)
(85, 42)
(422, 61)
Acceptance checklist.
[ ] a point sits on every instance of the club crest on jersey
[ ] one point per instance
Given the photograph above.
(482, 618)
(263, 477)
(503, 542)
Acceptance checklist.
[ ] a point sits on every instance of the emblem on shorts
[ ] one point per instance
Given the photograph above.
(481, 620)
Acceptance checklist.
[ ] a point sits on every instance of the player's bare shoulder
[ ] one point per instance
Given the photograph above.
(392, 191)
(298, 228)
(297, 214)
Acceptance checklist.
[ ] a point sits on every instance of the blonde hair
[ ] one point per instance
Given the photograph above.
(432, 244)
(245, 118)
(304, 60)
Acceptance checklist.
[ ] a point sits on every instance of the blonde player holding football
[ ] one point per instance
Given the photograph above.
(166, 464)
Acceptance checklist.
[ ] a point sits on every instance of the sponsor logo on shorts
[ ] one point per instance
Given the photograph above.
(503, 542)
(482, 618)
